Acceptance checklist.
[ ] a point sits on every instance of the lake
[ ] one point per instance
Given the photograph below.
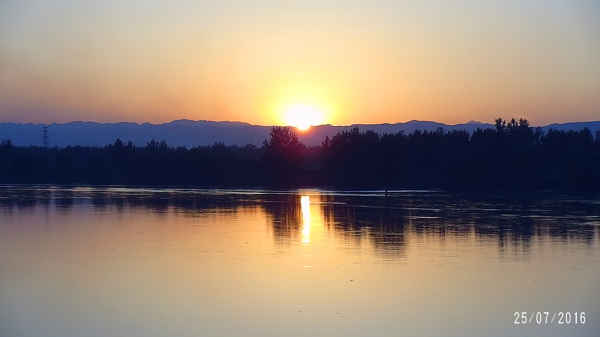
(118, 261)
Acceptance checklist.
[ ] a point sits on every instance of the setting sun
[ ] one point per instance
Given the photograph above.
(303, 116)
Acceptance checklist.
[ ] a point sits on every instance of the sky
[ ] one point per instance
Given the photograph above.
(377, 61)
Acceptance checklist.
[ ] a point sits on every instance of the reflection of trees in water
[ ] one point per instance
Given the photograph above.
(9, 200)
(10, 196)
(284, 214)
(118, 199)
(191, 204)
(100, 200)
(353, 226)
(64, 199)
(157, 202)
(512, 220)
(383, 227)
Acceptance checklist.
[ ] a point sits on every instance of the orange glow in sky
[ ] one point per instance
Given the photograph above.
(253, 61)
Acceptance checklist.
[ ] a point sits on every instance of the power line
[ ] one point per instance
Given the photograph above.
(45, 136)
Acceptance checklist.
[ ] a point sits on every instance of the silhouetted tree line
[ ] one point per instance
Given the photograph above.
(511, 155)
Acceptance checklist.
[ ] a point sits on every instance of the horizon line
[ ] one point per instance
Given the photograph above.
(472, 122)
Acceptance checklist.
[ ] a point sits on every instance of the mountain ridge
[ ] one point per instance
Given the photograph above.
(190, 133)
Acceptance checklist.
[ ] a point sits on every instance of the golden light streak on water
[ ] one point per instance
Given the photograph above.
(305, 208)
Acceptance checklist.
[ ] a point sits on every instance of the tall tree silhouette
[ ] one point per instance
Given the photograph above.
(283, 156)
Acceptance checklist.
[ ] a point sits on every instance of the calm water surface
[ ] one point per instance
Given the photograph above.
(185, 262)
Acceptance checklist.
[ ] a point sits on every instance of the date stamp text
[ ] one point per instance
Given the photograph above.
(546, 317)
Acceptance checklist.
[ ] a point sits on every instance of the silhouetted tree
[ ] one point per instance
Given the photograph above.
(509, 155)
(283, 155)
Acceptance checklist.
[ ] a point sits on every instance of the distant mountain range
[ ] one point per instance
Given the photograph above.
(194, 133)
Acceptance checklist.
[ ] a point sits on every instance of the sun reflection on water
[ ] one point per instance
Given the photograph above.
(305, 208)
